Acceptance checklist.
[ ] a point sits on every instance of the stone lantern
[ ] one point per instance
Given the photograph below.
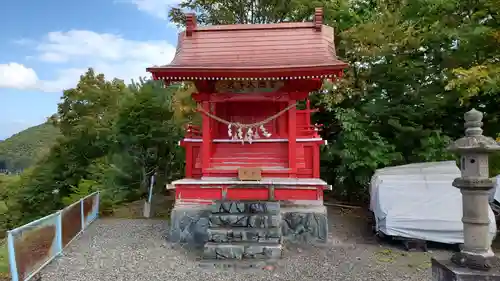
(476, 257)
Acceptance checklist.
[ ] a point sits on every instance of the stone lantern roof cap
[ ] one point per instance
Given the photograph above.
(474, 140)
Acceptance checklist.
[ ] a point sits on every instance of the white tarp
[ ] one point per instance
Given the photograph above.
(497, 189)
(418, 201)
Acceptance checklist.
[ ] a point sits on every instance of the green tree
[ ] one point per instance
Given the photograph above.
(401, 60)
(147, 134)
(214, 12)
(23, 149)
(358, 150)
(85, 119)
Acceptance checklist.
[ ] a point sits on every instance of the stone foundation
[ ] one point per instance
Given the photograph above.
(299, 222)
(304, 223)
(189, 224)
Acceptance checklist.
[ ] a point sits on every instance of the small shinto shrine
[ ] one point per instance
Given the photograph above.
(252, 169)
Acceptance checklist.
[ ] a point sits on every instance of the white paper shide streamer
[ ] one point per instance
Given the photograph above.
(247, 132)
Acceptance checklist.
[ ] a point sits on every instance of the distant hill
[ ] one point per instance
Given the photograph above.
(21, 150)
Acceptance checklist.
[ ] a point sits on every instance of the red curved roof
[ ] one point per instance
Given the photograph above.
(253, 50)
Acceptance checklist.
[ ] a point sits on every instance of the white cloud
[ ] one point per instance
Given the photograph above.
(17, 76)
(78, 45)
(66, 79)
(76, 50)
(157, 8)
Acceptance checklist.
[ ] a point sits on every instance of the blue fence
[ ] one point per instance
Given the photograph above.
(36, 244)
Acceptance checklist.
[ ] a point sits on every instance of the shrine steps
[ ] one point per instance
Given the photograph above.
(233, 156)
(243, 234)
(269, 172)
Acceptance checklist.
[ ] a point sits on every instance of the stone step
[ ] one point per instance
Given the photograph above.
(250, 264)
(242, 250)
(253, 220)
(246, 207)
(240, 234)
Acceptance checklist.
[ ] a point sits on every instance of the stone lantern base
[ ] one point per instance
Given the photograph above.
(446, 270)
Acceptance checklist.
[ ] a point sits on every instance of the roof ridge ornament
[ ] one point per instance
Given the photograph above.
(190, 23)
(318, 18)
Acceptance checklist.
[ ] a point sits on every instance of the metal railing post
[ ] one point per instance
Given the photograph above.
(82, 214)
(12, 256)
(98, 203)
(59, 232)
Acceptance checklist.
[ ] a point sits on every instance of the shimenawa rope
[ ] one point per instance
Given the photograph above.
(250, 134)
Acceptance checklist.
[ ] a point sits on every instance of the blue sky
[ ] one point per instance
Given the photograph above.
(46, 45)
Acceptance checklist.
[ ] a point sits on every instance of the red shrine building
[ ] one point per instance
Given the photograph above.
(252, 168)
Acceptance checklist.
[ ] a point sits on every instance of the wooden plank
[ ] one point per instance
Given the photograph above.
(249, 174)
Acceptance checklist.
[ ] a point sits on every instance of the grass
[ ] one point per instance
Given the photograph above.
(161, 208)
(386, 256)
(415, 260)
(4, 260)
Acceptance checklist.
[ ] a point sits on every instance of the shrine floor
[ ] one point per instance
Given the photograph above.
(125, 249)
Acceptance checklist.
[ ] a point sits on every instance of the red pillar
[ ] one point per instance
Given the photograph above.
(292, 139)
(316, 161)
(308, 116)
(190, 162)
(213, 126)
(207, 140)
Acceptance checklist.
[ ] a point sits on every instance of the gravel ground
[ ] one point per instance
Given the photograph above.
(124, 249)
